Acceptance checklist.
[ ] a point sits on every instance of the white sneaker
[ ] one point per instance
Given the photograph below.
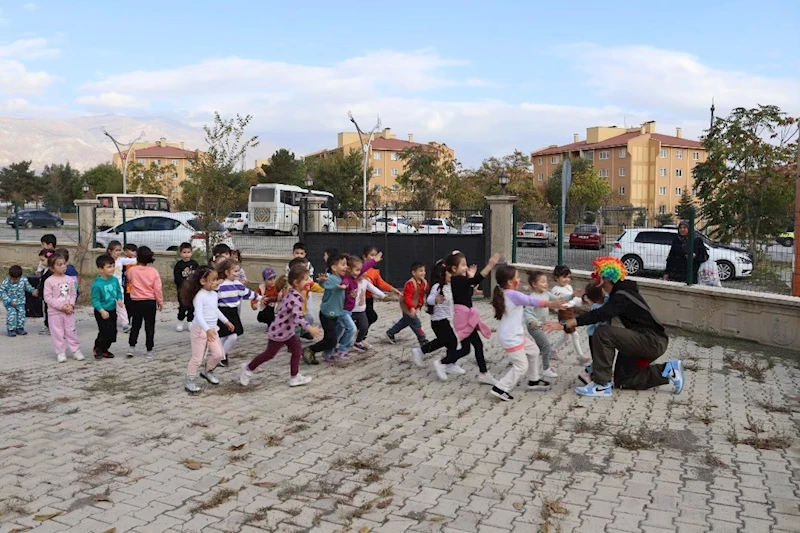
(487, 378)
(418, 357)
(454, 369)
(78, 356)
(439, 368)
(150, 354)
(209, 376)
(298, 380)
(366, 345)
(61, 357)
(179, 327)
(549, 373)
(585, 360)
(244, 377)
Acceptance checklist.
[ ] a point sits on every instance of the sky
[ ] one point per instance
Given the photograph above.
(486, 78)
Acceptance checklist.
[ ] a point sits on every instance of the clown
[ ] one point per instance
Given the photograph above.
(635, 347)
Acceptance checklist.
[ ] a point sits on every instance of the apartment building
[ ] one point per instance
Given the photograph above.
(162, 153)
(646, 168)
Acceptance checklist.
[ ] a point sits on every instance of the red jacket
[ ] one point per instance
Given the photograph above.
(414, 295)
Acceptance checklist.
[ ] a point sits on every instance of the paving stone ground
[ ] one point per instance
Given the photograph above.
(380, 445)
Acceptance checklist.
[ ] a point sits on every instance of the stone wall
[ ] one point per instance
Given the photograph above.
(768, 319)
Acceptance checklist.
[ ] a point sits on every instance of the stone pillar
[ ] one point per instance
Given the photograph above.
(86, 221)
(501, 225)
(315, 222)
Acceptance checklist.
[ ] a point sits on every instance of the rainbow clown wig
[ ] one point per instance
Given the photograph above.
(609, 268)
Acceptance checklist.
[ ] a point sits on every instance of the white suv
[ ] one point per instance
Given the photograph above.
(237, 221)
(648, 248)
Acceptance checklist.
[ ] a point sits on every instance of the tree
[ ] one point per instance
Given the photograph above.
(102, 179)
(342, 176)
(284, 168)
(207, 190)
(60, 180)
(587, 192)
(521, 183)
(152, 179)
(684, 211)
(429, 176)
(747, 185)
(20, 184)
(664, 219)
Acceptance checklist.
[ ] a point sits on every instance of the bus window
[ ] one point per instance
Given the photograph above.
(105, 201)
(262, 195)
(163, 204)
(125, 202)
(149, 204)
(288, 197)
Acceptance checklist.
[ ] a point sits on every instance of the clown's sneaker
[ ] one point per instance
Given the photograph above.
(674, 372)
(596, 390)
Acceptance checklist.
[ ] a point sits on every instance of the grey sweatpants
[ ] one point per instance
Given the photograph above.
(543, 342)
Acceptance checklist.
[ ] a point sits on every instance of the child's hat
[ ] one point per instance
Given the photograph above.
(269, 273)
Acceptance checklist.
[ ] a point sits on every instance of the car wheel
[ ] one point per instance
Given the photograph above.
(788, 242)
(726, 270)
(98, 245)
(172, 249)
(245, 229)
(59, 223)
(633, 264)
(29, 224)
(571, 247)
(295, 230)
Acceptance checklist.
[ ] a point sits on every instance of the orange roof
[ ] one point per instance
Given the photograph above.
(619, 140)
(167, 152)
(392, 144)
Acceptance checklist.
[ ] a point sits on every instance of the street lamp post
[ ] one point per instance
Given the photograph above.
(85, 189)
(124, 156)
(365, 146)
(309, 183)
(503, 182)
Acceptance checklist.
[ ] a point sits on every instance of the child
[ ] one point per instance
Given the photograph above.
(220, 252)
(563, 290)
(106, 298)
(72, 272)
(346, 327)
(309, 289)
(440, 307)
(48, 243)
(146, 296)
(183, 269)
(200, 292)
(120, 263)
(414, 293)
(282, 331)
(45, 272)
(509, 305)
(374, 277)
(59, 293)
(535, 317)
(595, 298)
(12, 292)
(231, 293)
(268, 290)
(330, 310)
(365, 287)
(467, 321)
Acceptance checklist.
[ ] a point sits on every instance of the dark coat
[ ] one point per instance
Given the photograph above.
(678, 258)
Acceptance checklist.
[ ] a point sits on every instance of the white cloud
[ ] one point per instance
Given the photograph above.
(3, 20)
(30, 6)
(26, 49)
(15, 78)
(111, 101)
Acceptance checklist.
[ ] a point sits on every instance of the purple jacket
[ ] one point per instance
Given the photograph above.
(352, 286)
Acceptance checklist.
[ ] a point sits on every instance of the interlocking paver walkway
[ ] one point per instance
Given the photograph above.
(380, 445)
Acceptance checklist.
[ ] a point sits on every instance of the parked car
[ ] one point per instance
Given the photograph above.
(31, 218)
(393, 225)
(473, 225)
(586, 236)
(647, 250)
(536, 234)
(436, 225)
(163, 232)
(786, 238)
(237, 221)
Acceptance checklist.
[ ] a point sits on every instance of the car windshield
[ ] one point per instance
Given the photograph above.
(433, 222)
(586, 229)
(475, 220)
(195, 224)
(538, 227)
(382, 220)
(233, 215)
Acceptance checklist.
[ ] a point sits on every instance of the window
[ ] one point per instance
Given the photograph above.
(262, 195)
(662, 210)
(377, 155)
(678, 173)
(656, 237)
(679, 154)
(604, 154)
(158, 162)
(533, 226)
(662, 191)
(662, 172)
(395, 172)
(288, 197)
(541, 177)
(622, 172)
(540, 160)
(622, 190)
(603, 172)
(664, 153)
(378, 188)
(696, 156)
(589, 154)
(164, 224)
(394, 156)
(554, 159)
(694, 193)
(623, 153)
(395, 188)
(174, 162)
(678, 191)
(378, 171)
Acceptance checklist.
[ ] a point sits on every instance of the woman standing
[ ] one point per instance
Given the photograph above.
(678, 258)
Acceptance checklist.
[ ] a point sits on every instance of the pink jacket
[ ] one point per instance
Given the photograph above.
(145, 283)
(466, 320)
(58, 292)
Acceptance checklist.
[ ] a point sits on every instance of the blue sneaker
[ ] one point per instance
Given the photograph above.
(674, 371)
(595, 390)
(21, 331)
(12, 333)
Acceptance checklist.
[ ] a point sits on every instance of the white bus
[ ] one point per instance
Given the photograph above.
(109, 212)
(274, 207)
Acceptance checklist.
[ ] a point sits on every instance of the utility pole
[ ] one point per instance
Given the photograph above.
(796, 258)
(712, 116)
(365, 147)
(124, 156)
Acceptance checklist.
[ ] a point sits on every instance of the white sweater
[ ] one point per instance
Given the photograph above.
(444, 310)
(511, 330)
(365, 285)
(566, 293)
(206, 310)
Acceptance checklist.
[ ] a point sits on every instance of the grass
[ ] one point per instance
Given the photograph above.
(297, 418)
(246, 420)
(767, 442)
(210, 437)
(386, 492)
(541, 455)
(111, 384)
(752, 369)
(297, 429)
(292, 491)
(548, 438)
(584, 426)
(105, 468)
(274, 439)
(259, 516)
(771, 407)
(73, 411)
(642, 439)
(219, 498)
(356, 462)
(238, 458)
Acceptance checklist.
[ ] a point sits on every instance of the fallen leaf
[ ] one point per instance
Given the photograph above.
(556, 507)
(438, 519)
(20, 530)
(365, 529)
(224, 480)
(46, 517)
(112, 530)
(192, 464)
(518, 506)
(102, 498)
(266, 484)
(403, 465)
(384, 504)
(547, 527)
(236, 448)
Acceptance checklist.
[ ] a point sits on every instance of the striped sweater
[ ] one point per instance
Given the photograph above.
(233, 292)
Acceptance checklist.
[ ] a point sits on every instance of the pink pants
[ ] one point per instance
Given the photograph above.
(122, 314)
(62, 331)
(200, 343)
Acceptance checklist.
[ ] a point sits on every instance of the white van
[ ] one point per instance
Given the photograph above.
(275, 207)
(109, 212)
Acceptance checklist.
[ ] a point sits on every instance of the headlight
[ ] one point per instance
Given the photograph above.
(745, 260)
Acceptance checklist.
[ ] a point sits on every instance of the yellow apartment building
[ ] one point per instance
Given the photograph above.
(162, 153)
(384, 158)
(646, 168)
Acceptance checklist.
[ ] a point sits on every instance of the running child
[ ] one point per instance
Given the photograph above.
(106, 298)
(184, 268)
(535, 317)
(467, 321)
(200, 292)
(330, 310)
(563, 290)
(509, 305)
(60, 296)
(374, 276)
(231, 293)
(310, 288)
(282, 332)
(268, 290)
(440, 307)
(413, 300)
(120, 263)
(12, 293)
(346, 330)
(147, 296)
(365, 288)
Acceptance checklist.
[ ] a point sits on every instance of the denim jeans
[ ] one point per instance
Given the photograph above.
(345, 331)
(412, 322)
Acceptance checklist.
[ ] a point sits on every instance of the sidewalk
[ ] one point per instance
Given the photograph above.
(380, 445)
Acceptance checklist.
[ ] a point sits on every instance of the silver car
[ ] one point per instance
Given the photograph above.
(535, 234)
(473, 225)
